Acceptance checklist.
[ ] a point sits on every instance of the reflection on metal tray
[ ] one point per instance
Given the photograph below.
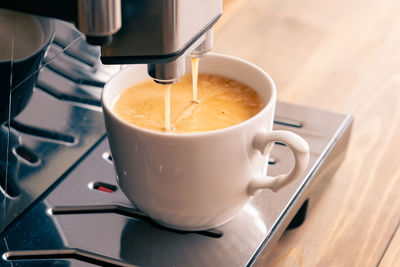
(84, 219)
(62, 121)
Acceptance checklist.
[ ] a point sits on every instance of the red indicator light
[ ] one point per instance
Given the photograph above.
(104, 189)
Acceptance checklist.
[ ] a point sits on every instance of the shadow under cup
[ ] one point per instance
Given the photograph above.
(24, 41)
(190, 181)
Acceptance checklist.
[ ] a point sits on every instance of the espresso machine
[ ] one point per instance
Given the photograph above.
(59, 201)
(159, 33)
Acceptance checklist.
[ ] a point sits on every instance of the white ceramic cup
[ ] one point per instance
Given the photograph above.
(198, 181)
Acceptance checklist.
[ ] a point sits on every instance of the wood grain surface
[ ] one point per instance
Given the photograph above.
(392, 254)
(342, 56)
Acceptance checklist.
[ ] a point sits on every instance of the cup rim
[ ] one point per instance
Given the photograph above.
(269, 104)
(48, 28)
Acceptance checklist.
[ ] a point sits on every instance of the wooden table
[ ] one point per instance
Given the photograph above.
(342, 56)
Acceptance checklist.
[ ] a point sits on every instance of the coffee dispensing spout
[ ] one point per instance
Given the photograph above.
(167, 73)
(205, 46)
(159, 33)
(170, 72)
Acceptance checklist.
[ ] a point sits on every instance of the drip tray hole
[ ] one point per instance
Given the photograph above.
(107, 156)
(24, 153)
(300, 216)
(103, 187)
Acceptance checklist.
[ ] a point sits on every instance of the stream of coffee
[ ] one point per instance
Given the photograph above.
(195, 71)
(167, 93)
(167, 106)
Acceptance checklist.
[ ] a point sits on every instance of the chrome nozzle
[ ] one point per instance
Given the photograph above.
(169, 72)
(205, 46)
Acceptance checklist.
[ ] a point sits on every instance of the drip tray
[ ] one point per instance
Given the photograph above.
(85, 219)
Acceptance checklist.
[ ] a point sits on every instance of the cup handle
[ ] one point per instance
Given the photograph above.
(300, 150)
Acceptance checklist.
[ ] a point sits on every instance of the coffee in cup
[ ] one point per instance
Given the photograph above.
(221, 102)
(199, 180)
